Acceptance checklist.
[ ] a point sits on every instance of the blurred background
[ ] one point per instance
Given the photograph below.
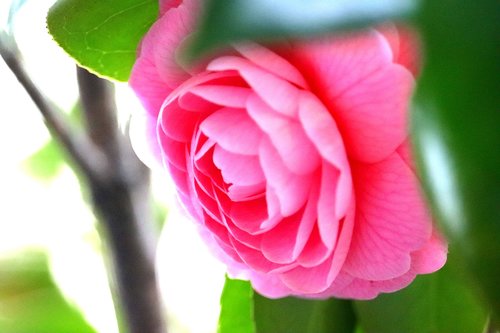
(52, 272)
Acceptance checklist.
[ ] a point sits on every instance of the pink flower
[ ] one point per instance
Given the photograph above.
(293, 158)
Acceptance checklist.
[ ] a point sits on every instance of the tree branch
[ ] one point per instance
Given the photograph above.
(119, 185)
(90, 160)
(122, 202)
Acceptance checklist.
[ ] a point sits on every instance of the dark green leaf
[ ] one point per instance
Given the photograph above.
(102, 36)
(232, 20)
(437, 303)
(456, 131)
(30, 302)
(359, 330)
(236, 308)
(294, 315)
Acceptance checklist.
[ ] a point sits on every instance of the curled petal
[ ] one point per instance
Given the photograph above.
(285, 242)
(278, 93)
(288, 137)
(238, 169)
(233, 130)
(272, 62)
(291, 190)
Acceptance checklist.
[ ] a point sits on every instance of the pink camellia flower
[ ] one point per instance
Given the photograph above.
(293, 159)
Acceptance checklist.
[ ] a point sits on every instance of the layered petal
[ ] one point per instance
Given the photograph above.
(293, 159)
(391, 220)
(365, 91)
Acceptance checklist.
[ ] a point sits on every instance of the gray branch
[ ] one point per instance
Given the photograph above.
(122, 202)
(118, 183)
(88, 159)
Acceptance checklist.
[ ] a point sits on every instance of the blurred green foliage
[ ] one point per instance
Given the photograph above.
(456, 127)
(46, 162)
(225, 21)
(295, 315)
(30, 301)
(442, 302)
(243, 310)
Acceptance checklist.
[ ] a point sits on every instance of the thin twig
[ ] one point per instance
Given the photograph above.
(80, 149)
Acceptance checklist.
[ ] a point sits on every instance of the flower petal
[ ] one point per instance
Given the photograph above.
(168, 4)
(287, 135)
(317, 279)
(279, 94)
(238, 169)
(164, 38)
(177, 123)
(234, 97)
(291, 189)
(328, 221)
(365, 91)
(144, 139)
(272, 62)
(322, 131)
(391, 220)
(431, 257)
(233, 130)
(405, 46)
(148, 86)
(285, 242)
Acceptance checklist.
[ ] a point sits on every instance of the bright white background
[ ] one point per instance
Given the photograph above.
(53, 216)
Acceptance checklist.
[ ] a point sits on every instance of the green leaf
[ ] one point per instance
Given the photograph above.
(295, 315)
(243, 311)
(29, 300)
(233, 20)
(455, 125)
(437, 303)
(102, 35)
(236, 308)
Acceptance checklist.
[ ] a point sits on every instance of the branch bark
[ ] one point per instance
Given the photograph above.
(90, 160)
(122, 202)
(118, 183)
